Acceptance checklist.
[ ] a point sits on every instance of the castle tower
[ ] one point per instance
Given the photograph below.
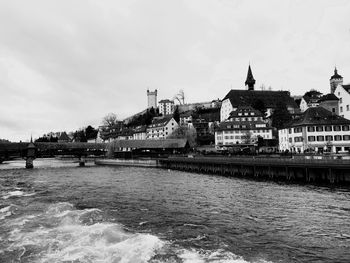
(152, 99)
(335, 80)
(250, 81)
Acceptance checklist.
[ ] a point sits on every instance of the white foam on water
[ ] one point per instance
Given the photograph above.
(16, 193)
(63, 234)
(70, 235)
(7, 211)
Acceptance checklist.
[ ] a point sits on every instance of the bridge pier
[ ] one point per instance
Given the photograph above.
(82, 161)
(30, 155)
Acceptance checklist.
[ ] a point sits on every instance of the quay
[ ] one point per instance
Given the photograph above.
(152, 163)
(323, 171)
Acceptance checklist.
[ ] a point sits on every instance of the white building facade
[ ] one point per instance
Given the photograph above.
(161, 128)
(317, 130)
(166, 107)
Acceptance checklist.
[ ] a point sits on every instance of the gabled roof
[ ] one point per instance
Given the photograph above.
(268, 97)
(165, 101)
(347, 87)
(245, 109)
(151, 144)
(318, 116)
(328, 97)
(63, 137)
(160, 122)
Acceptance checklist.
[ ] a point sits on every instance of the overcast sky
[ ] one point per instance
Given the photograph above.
(66, 64)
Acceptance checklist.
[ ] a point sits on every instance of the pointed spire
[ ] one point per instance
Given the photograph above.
(336, 75)
(250, 81)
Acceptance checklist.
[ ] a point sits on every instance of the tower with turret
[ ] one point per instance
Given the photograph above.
(335, 80)
(250, 81)
(152, 99)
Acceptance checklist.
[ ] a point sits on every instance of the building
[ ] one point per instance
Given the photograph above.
(140, 133)
(161, 128)
(238, 98)
(316, 130)
(335, 80)
(329, 102)
(186, 118)
(166, 107)
(63, 137)
(244, 126)
(152, 99)
(310, 99)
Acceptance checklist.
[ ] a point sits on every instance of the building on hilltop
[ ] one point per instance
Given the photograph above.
(152, 99)
(335, 80)
(244, 126)
(329, 102)
(166, 107)
(161, 128)
(316, 130)
(239, 98)
(343, 94)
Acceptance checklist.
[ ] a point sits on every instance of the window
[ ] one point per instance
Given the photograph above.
(310, 129)
(290, 140)
(320, 138)
(341, 109)
(298, 139)
(345, 128)
(319, 128)
(346, 137)
(341, 100)
(338, 93)
(328, 128)
(333, 109)
(329, 138)
(337, 137)
(336, 128)
(297, 130)
(311, 138)
(347, 107)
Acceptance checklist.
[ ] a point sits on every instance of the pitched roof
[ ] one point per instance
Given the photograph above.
(63, 137)
(151, 144)
(347, 87)
(245, 109)
(318, 116)
(268, 97)
(250, 81)
(159, 122)
(165, 101)
(329, 96)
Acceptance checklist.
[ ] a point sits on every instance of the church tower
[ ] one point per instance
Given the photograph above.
(335, 80)
(250, 81)
(152, 99)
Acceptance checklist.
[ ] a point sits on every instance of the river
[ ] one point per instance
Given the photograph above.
(59, 212)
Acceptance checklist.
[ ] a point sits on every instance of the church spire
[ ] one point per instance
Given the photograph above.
(250, 81)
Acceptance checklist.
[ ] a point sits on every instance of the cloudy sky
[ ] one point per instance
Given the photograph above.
(66, 64)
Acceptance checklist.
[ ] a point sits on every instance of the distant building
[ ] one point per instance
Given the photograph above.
(186, 118)
(63, 137)
(316, 130)
(329, 102)
(152, 99)
(140, 133)
(244, 126)
(161, 128)
(335, 80)
(310, 100)
(239, 98)
(166, 107)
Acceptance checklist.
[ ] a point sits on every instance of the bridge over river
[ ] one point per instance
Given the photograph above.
(47, 149)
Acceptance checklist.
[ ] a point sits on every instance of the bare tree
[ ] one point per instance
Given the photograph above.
(110, 120)
(180, 97)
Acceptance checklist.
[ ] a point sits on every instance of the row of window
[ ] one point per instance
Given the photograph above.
(321, 128)
(347, 108)
(248, 119)
(321, 138)
(254, 131)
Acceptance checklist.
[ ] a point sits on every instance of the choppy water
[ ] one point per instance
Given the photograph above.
(123, 214)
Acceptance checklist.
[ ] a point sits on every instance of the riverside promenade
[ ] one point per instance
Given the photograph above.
(325, 171)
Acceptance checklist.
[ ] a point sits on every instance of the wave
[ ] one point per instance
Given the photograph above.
(64, 234)
(16, 193)
(7, 211)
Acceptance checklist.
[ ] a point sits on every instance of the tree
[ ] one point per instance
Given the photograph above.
(176, 114)
(280, 116)
(90, 132)
(180, 97)
(110, 120)
(79, 136)
(183, 132)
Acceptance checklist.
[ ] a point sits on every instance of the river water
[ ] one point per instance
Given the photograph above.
(59, 212)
